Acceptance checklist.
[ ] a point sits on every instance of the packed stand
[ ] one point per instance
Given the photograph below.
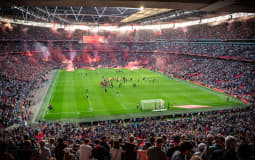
(19, 80)
(215, 50)
(226, 134)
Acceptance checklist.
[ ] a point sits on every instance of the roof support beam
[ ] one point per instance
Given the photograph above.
(27, 12)
(76, 16)
(55, 15)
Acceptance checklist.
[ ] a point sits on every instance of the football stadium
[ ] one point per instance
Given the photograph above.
(127, 80)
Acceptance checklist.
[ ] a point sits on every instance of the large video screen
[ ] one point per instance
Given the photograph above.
(93, 39)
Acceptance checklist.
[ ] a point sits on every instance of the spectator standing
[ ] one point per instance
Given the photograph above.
(4, 154)
(244, 152)
(184, 153)
(130, 149)
(99, 151)
(217, 150)
(85, 151)
(106, 146)
(142, 154)
(26, 153)
(230, 145)
(176, 146)
(155, 152)
(59, 150)
(116, 152)
(51, 146)
(44, 153)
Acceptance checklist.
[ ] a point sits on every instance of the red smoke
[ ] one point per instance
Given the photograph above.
(33, 61)
(133, 65)
(29, 54)
(57, 54)
(8, 26)
(160, 61)
(54, 29)
(157, 33)
(69, 34)
(96, 58)
(86, 58)
(69, 67)
(145, 61)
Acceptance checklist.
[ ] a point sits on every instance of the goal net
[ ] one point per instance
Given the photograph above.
(153, 104)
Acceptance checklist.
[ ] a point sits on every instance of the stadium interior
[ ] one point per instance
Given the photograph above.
(208, 43)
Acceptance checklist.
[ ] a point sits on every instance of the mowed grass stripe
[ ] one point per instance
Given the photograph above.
(81, 99)
(57, 96)
(70, 96)
(70, 93)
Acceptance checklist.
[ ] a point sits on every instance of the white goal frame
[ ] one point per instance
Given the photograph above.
(155, 105)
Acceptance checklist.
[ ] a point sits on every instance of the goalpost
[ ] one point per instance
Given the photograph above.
(153, 105)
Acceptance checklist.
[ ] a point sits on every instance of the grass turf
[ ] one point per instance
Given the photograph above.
(69, 99)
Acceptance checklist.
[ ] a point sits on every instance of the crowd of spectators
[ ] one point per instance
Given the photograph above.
(214, 135)
(19, 79)
(230, 50)
(211, 49)
(215, 50)
(224, 31)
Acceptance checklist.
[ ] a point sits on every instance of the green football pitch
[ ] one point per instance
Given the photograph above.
(79, 95)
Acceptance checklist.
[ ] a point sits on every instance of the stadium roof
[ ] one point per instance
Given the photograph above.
(119, 12)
